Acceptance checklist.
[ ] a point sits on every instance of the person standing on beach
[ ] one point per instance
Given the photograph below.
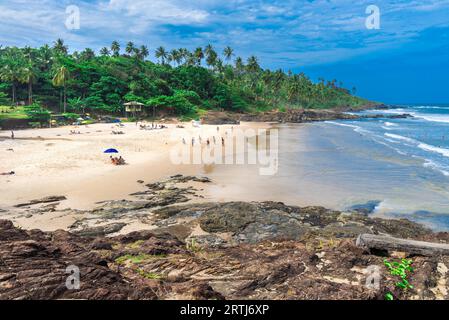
(12, 134)
(193, 141)
(222, 141)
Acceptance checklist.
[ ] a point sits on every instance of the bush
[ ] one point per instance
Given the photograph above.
(177, 103)
(37, 113)
(71, 116)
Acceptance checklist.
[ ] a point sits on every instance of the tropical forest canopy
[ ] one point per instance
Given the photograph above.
(183, 82)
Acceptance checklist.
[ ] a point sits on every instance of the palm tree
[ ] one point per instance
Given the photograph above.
(183, 54)
(29, 77)
(88, 54)
(219, 65)
(60, 80)
(130, 48)
(211, 59)
(253, 64)
(239, 65)
(12, 69)
(115, 48)
(161, 54)
(175, 56)
(208, 49)
(199, 55)
(144, 52)
(191, 59)
(60, 47)
(228, 53)
(105, 52)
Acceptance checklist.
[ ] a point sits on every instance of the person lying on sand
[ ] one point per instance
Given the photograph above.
(7, 173)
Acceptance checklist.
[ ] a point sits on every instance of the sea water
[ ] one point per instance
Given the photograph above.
(397, 168)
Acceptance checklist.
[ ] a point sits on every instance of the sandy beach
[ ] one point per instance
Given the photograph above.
(54, 161)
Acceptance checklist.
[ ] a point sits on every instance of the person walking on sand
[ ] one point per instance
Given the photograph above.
(222, 141)
(218, 129)
(215, 140)
(12, 134)
(183, 141)
(208, 142)
(193, 141)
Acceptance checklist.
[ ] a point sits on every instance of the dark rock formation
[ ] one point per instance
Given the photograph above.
(291, 116)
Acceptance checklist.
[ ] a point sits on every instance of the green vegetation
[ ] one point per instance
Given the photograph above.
(149, 275)
(182, 83)
(136, 259)
(401, 270)
(193, 246)
(7, 112)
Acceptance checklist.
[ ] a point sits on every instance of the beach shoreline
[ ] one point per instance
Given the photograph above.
(53, 161)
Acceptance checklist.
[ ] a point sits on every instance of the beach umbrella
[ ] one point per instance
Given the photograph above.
(111, 151)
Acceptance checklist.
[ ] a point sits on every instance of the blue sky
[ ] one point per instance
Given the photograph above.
(405, 61)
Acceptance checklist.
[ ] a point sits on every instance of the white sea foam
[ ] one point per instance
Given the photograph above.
(434, 118)
(398, 137)
(426, 147)
(342, 124)
(432, 165)
(354, 127)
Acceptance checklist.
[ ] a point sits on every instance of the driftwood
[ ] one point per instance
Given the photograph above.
(377, 242)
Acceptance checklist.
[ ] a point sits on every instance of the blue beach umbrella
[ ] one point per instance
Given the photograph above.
(111, 151)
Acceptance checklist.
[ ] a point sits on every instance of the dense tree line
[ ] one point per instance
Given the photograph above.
(183, 81)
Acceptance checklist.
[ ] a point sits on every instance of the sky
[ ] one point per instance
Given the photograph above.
(405, 60)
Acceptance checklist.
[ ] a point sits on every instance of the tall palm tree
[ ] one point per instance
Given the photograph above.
(183, 54)
(175, 56)
(253, 64)
(144, 52)
(60, 80)
(12, 69)
(239, 65)
(161, 54)
(105, 52)
(29, 77)
(60, 46)
(130, 48)
(211, 59)
(199, 55)
(228, 53)
(115, 48)
(208, 49)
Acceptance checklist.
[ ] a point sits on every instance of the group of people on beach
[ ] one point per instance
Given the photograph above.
(117, 161)
(208, 140)
(152, 127)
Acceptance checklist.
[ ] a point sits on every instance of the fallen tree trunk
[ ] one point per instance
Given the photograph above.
(378, 242)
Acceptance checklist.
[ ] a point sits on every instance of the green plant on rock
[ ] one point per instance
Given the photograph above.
(193, 246)
(399, 269)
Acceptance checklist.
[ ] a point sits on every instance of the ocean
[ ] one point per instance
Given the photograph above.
(420, 145)
(395, 168)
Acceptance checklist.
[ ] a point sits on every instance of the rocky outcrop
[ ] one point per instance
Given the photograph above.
(290, 116)
(231, 250)
(149, 265)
